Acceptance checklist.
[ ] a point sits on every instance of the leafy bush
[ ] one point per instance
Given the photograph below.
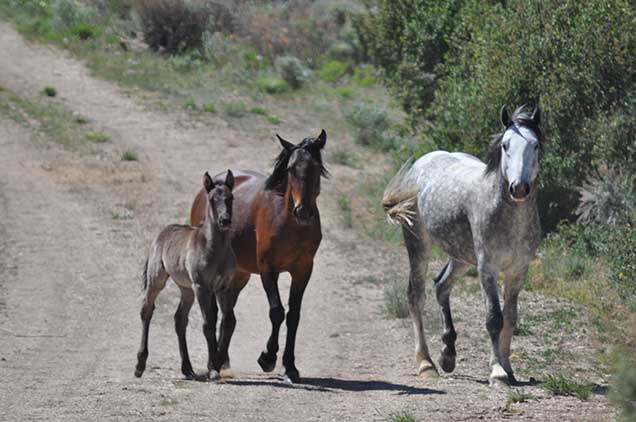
(84, 31)
(173, 25)
(370, 123)
(333, 70)
(607, 200)
(559, 385)
(341, 50)
(272, 84)
(623, 393)
(621, 256)
(49, 91)
(291, 70)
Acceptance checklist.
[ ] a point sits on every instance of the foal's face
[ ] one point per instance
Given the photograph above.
(304, 183)
(220, 199)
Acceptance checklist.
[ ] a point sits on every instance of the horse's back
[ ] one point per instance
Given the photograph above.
(443, 164)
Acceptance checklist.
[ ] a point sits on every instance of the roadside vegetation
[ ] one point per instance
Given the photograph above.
(448, 67)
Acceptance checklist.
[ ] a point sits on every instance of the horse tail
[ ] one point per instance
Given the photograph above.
(144, 276)
(400, 197)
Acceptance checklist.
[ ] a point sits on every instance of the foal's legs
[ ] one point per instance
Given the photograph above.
(494, 319)
(443, 286)
(267, 360)
(300, 277)
(207, 303)
(239, 281)
(180, 324)
(512, 288)
(227, 301)
(418, 248)
(156, 281)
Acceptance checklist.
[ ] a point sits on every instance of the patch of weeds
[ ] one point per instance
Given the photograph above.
(403, 416)
(190, 104)
(85, 31)
(559, 385)
(517, 396)
(129, 156)
(344, 91)
(344, 204)
(522, 329)
(333, 70)
(345, 157)
(97, 138)
(167, 401)
(235, 109)
(272, 85)
(396, 299)
(259, 110)
(552, 356)
(274, 120)
(562, 318)
(49, 91)
(623, 393)
(209, 108)
(365, 76)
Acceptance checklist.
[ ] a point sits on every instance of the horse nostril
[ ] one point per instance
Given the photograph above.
(520, 190)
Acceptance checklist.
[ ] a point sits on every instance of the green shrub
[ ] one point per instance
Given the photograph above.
(259, 110)
(209, 108)
(621, 255)
(402, 417)
(129, 156)
(559, 385)
(623, 392)
(274, 120)
(291, 70)
(365, 76)
(190, 104)
(344, 91)
(173, 25)
(272, 85)
(49, 91)
(333, 70)
(341, 51)
(235, 109)
(84, 31)
(97, 138)
(396, 299)
(370, 123)
(607, 200)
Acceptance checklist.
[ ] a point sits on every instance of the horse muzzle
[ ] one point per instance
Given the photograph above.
(304, 216)
(519, 191)
(225, 223)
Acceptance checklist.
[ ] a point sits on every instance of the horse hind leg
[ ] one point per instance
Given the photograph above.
(443, 286)
(155, 280)
(418, 248)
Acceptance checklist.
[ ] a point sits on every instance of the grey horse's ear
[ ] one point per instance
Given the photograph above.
(505, 118)
(287, 145)
(536, 115)
(321, 140)
(208, 183)
(229, 179)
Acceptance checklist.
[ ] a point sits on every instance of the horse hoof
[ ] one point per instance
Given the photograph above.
(214, 375)
(139, 373)
(499, 377)
(226, 372)
(428, 371)
(447, 362)
(292, 377)
(267, 362)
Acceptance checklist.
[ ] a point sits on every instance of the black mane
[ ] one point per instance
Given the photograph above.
(278, 178)
(521, 117)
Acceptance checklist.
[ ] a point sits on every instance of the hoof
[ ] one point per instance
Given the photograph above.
(267, 361)
(427, 371)
(447, 362)
(214, 375)
(226, 372)
(499, 377)
(291, 377)
(193, 376)
(139, 373)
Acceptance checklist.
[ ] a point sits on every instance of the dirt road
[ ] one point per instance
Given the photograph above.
(74, 228)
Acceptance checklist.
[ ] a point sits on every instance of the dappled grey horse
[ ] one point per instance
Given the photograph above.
(200, 260)
(482, 214)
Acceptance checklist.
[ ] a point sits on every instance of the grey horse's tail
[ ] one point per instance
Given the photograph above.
(144, 276)
(400, 198)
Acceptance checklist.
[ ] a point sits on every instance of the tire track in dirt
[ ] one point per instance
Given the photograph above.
(356, 365)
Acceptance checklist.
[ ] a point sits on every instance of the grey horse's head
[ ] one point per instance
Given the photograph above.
(515, 151)
(220, 199)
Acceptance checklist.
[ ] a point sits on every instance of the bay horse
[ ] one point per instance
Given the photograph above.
(481, 214)
(276, 228)
(201, 262)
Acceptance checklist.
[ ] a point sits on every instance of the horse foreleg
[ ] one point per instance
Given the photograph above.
(180, 325)
(207, 303)
(418, 249)
(267, 359)
(494, 321)
(227, 301)
(443, 286)
(512, 288)
(300, 278)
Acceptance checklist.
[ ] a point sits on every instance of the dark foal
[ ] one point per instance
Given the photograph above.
(276, 228)
(201, 262)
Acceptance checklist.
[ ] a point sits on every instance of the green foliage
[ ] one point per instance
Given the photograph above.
(402, 417)
(209, 108)
(344, 204)
(344, 157)
(396, 299)
(49, 91)
(97, 138)
(129, 156)
(607, 200)
(517, 396)
(344, 91)
(190, 104)
(235, 109)
(259, 110)
(274, 120)
(623, 392)
(85, 31)
(620, 249)
(333, 71)
(370, 123)
(560, 385)
(272, 84)
(291, 70)
(365, 76)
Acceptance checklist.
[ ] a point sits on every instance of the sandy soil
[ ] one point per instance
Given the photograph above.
(74, 228)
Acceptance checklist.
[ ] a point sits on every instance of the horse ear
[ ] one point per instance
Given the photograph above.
(287, 145)
(321, 140)
(207, 182)
(505, 118)
(536, 115)
(229, 179)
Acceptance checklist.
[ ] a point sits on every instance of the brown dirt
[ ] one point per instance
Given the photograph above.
(74, 228)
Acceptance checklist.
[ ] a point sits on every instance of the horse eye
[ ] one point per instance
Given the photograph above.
(505, 147)
(536, 147)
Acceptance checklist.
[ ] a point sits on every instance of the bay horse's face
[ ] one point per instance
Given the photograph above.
(519, 155)
(220, 199)
(303, 176)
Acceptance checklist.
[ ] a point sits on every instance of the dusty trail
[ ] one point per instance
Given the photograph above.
(69, 275)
